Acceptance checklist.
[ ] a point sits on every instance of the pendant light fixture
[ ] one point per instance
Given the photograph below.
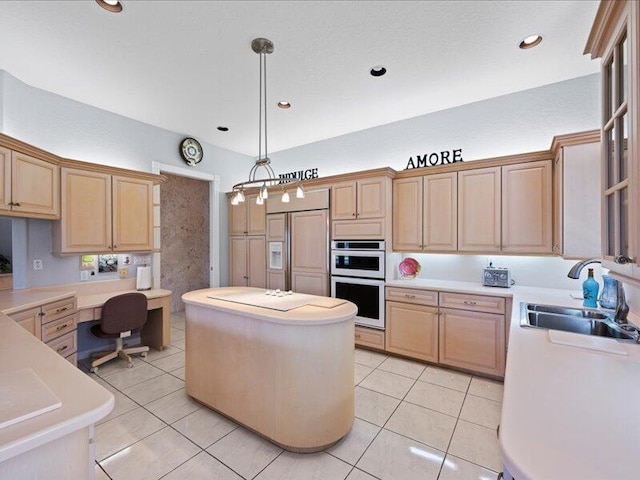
(262, 47)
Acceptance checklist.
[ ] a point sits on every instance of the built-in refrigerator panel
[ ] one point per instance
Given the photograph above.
(298, 241)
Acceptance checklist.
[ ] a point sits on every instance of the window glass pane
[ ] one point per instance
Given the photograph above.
(624, 147)
(610, 159)
(610, 213)
(624, 221)
(624, 73)
(608, 100)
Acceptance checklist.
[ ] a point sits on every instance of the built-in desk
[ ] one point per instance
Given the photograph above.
(155, 333)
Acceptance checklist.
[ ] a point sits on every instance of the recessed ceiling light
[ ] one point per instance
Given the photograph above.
(112, 5)
(284, 105)
(223, 129)
(531, 41)
(377, 71)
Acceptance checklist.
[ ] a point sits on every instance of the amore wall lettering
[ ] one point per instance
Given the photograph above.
(435, 158)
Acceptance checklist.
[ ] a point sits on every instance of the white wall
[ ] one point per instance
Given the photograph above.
(516, 123)
(75, 130)
(520, 122)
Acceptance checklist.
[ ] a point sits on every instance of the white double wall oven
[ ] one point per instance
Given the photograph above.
(357, 275)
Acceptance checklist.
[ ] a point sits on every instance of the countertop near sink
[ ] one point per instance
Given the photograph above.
(568, 413)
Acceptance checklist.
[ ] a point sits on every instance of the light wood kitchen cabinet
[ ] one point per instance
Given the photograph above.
(425, 213)
(29, 320)
(369, 337)
(247, 218)
(104, 213)
(472, 332)
(576, 207)
(309, 252)
(615, 38)
(412, 330)
(248, 261)
(310, 282)
(29, 187)
(359, 208)
(54, 323)
(479, 210)
(363, 198)
(527, 219)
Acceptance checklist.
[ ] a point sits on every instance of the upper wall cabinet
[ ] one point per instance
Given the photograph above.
(247, 218)
(576, 196)
(359, 208)
(479, 214)
(29, 187)
(104, 213)
(526, 207)
(615, 38)
(425, 213)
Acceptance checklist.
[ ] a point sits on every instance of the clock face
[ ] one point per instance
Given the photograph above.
(191, 151)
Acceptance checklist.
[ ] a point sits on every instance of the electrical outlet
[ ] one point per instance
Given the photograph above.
(37, 264)
(84, 275)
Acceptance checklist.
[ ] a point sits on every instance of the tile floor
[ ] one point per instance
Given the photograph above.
(412, 422)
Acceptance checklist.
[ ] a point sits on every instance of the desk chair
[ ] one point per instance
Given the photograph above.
(122, 316)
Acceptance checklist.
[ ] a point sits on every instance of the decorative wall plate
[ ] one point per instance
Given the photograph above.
(191, 151)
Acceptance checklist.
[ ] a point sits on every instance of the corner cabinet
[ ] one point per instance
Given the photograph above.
(104, 213)
(29, 187)
(615, 38)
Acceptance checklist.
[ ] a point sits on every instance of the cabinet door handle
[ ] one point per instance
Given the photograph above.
(62, 348)
(61, 327)
(16, 204)
(409, 296)
(41, 314)
(11, 204)
(622, 259)
(353, 214)
(115, 246)
(357, 335)
(469, 302)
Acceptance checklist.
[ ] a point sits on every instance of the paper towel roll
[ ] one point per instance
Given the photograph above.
(143, 278)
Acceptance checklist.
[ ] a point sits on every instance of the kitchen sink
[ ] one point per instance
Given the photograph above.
(575, 320)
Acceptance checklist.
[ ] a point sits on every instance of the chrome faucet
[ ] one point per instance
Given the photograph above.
(577, 268)
(622, 309)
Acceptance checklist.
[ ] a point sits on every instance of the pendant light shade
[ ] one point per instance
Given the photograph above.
(299, 192)
(285, 197)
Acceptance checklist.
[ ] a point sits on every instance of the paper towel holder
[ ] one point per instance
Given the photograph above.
(143, 278)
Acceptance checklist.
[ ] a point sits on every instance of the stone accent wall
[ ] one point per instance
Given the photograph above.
(184, 236)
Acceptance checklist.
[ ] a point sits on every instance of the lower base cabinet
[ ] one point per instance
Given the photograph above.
(412, 330)
(460, 330)
(473, 341)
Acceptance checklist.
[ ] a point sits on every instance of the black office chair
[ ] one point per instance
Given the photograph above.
(122, 316)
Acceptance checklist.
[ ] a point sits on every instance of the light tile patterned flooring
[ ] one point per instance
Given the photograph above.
(412, 422)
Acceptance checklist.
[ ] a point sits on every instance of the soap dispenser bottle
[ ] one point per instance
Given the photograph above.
(590, 291)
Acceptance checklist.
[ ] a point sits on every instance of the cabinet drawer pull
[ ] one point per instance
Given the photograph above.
(409, 296)
(357, 335)
(61, 327)
(16, 204)
(469, 302)
(62, 309)
(62, 348)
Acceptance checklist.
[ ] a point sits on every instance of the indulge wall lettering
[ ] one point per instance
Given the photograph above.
(435, 158)
(299, 175)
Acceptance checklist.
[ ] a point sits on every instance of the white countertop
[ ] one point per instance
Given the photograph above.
(306, 315)
(568, 413)
(84, 401)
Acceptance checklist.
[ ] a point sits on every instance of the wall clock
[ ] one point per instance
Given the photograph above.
(191, 151)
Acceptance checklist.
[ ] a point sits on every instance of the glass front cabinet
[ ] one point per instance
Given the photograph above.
(614, 39)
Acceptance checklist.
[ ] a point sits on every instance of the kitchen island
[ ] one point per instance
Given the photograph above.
(284, 369)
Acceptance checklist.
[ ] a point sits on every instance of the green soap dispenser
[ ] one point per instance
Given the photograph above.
(590, 291)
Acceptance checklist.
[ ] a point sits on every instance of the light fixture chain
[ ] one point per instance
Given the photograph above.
(260, 111)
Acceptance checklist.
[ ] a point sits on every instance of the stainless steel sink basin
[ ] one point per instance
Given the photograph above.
(576, 320)
(574, 312)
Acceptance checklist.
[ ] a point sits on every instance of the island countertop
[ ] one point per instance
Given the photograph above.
(304, 315)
